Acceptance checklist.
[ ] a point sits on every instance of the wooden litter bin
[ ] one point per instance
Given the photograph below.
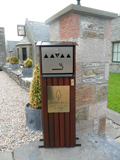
(57, 72)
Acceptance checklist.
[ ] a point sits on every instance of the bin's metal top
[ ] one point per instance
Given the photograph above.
(56, 43)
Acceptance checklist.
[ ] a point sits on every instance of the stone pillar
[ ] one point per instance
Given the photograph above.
(91, 31)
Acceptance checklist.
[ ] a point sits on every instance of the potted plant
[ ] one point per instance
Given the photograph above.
(34, 107)
(8, 62)
(14, 63)
(27, 70)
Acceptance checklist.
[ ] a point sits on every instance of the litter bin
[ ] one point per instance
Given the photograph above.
(57, 72)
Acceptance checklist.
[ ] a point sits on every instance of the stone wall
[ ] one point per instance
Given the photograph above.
(2, 48)
(92, 35)
(17, 77)
(115, 37)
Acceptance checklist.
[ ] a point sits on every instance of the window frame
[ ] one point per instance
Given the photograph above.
(115, 52)
(26, 53)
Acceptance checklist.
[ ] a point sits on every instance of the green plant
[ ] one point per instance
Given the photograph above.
(35, 89)
(8, 59)
(13, 60)
(28, 63)
(114, 92)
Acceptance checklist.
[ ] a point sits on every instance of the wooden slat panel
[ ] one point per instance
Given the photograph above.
(45, 112)
(67, 119)
(62, 126)
(72, 115)
(73, 107)
(56, 120)
(51, 120)
(41, 88)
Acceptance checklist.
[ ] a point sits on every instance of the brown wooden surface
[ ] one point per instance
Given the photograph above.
(45, 110)
(56, 120)
(67, 120)
(51, 120)
(72, 115)
(59, 128)
(73, 106)
(62, 125)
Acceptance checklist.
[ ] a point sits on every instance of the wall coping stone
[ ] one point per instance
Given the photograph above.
(82, 10)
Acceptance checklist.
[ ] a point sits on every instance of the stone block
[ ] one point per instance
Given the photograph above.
(86, 65)
(85, 95)
(78, 74)
(102, 125)
(98, 109)
(108, 29)
(97, 71)
(81, 115)
(96, 125)
(107, 71)
(88, 72)
(101, 93)
(69, 26)
(94, 79)
(88, 34)
(85, 127)
(55, 31)
(92, 51)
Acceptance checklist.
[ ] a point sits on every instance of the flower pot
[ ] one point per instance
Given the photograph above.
(8, 64)
(33, 118)
(15, 66)
(27, 72)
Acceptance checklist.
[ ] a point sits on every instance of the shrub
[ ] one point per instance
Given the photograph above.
(8, 59)
(28, 63)
(35, 89)
(13, 60)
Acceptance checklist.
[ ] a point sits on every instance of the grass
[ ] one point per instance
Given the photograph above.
(114, 92)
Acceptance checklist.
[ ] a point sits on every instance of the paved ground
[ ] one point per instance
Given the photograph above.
(92, 147)
(13, 96)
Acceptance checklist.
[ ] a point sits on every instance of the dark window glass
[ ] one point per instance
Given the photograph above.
(24, 54)
(18, 52)
(116, 52)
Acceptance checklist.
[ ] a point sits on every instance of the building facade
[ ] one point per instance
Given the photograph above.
(91, 29)
(26, 48)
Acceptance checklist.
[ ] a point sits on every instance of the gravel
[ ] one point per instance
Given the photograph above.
(13, 131)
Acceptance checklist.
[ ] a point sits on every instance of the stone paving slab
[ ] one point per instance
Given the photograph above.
(111, 131)
(6, 156)
(114, 116)
(88, 151)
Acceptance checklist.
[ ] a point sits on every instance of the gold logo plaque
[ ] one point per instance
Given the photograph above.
(58, 98)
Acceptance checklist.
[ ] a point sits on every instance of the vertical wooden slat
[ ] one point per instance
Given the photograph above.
(56, 120)
(51, 120)
(45, 110)
(41, 87)
(73, 106)
(62, 126)
(72, 115)
(67, 124)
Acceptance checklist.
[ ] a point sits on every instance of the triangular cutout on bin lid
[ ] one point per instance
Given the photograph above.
(62, 56)
(68, 56)
(46, 56)
(57, 55)
(52, 56)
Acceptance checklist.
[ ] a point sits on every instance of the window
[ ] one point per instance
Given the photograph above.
(18, 52)
(116, 52)
(24, 53)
